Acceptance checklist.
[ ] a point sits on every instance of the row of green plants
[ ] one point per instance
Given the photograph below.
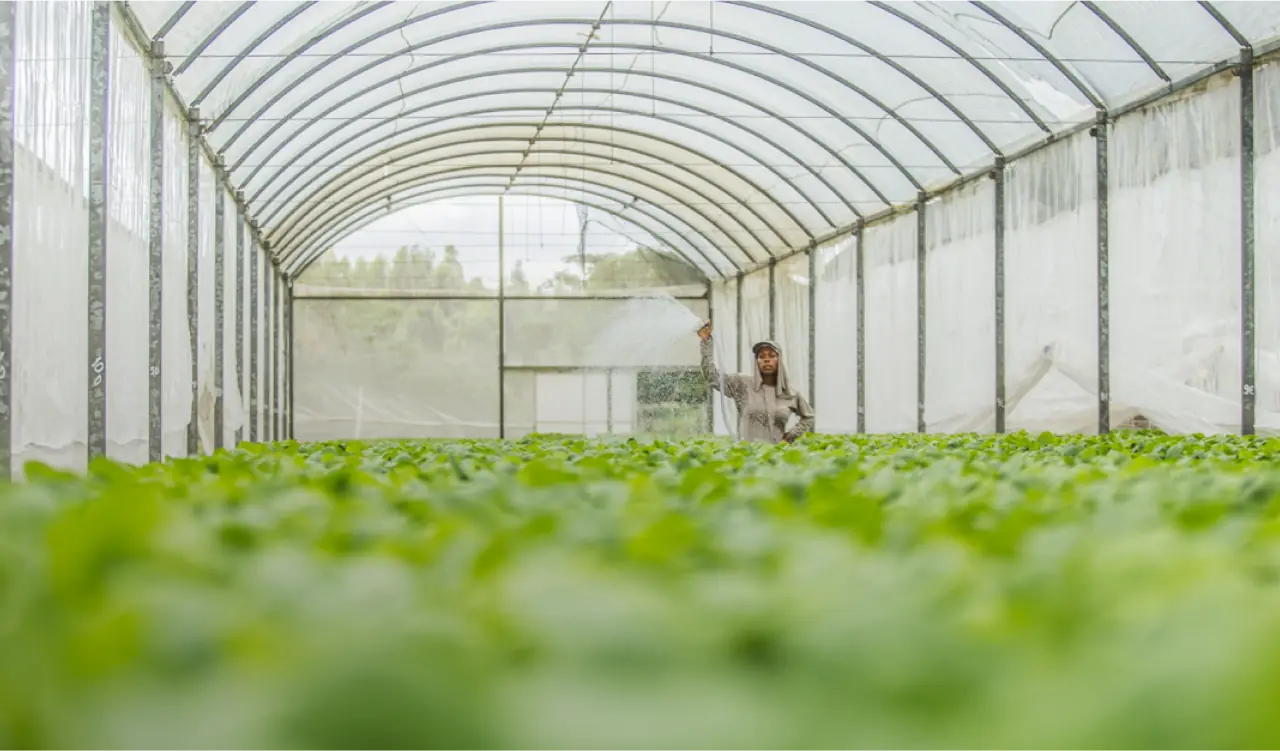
(869, 591)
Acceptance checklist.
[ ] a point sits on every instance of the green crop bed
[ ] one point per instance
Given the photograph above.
(556, 592)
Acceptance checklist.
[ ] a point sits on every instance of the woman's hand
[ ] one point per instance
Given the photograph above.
(704, 333)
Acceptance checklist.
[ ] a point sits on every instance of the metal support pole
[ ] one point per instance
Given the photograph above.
(813, 326)
(8, 77)
(277, 377)
(289, 308)
(502, 322)
(1248, 313)
(255, 264)
(921, 330)
(1104, 278)
(738, 314)
(239, 316)
(99, 110)
(219, 311)
(998, 175)
(773, 300)
(861, 326)
(193, 276)
(711, 410)
(608, 409)
(268, 351)
(155, 278)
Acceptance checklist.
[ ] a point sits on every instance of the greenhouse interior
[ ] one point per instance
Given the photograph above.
(446, 220)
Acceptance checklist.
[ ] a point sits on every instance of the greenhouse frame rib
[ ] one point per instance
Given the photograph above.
(702, 216)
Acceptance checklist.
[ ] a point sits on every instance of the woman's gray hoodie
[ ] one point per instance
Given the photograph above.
(763, 412)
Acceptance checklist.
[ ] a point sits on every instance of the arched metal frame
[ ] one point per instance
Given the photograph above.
(346, 177)
(392, 26)
(435, 193)
(588, 177)
(266, 203)
(597, 173)
(473, 173)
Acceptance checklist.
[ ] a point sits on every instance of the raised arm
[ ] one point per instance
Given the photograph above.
(807, 420)
(732, 384)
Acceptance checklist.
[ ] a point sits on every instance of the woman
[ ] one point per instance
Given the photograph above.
(765, 400)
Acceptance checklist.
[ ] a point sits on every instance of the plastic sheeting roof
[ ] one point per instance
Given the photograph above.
(733, 131)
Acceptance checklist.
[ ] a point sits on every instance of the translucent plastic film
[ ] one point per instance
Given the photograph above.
(1175, 263)
(890, 326)
(233, 416)
(127, 252)
(837, 336)
(176, 367)
(396, 369)
(51, 77)
(960, 342)
(724, 305)
(1267, 244)
(757, 126)
(792, 325)
(1051, 292)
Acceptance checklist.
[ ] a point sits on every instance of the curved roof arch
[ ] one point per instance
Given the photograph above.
(491, 188)
(374, 123)
(616, 137)
(733, 257)
(686, 188)
(835, 111)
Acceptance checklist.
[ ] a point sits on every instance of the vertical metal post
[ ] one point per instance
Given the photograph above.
(738, 314)
(813, 326)
(99, 113)
(268, 351)
(239, 309)
(288, 360)
(1104, 277)
(921, 330)
(277, 378)
(255, 263)
(8, 78)
(773, 299)
(193, 275)
(998, 175)
(155, 278)
(219, 312)
(608, 409)
(287, 308)
(502, 322)
(861, 326)
(1248, 313)
(711, 410)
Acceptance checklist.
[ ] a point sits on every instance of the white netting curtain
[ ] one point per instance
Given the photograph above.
(791, 327)
(1267, 243)
(1051, 344)
(1175, 263)
(891, 313)
(205, 325)
(755, 314)
(127, 252)
(836, 320)
(175, 334)
(50, 421)
(232, 414)
(724, 306)
(960, 325)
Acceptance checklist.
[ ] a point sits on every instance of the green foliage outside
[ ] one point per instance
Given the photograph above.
(935, 591)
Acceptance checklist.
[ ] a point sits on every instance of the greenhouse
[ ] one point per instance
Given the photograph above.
(952, 217)
(639, 374)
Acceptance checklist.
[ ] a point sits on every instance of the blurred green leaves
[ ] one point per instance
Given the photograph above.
(888, 591)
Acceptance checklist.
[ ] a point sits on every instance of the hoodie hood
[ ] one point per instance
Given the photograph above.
(783, 387)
